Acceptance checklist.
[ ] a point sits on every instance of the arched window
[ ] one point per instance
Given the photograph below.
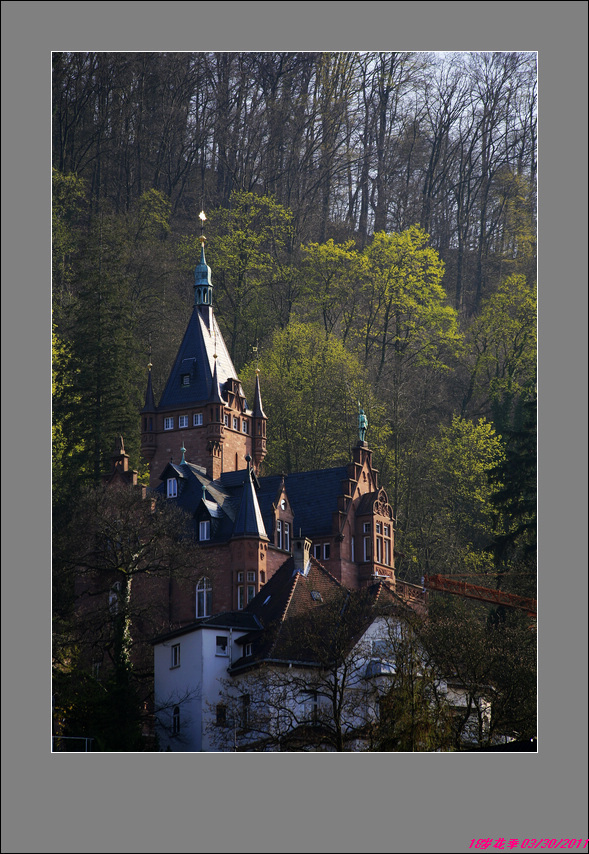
(176, 720)
(113, 598)
(204, 598)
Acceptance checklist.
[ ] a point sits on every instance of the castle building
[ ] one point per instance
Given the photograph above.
(205, 447)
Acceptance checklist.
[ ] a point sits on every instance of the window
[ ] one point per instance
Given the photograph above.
(235, 423)
(279, 533)
(367, 549)
(240, 599)
(183, 421)
(240, 576)
(244, 426)
(204, 598)
(262, 577)
(379, 648)
(113, 598)
(286, 537)
(379, 528)
(326, 551)
(245, 711)
(221, 715)
(366, 527)
(317, 551)
(226, 420)
(221, 645)
(168, 423)
(316, 596)
(249, 648)
(172, 490)
(387, 552)
(176, 720)
(379, 550)
(197, 419)
(204, 531)
(251, 576)
(185, 379)
(175, 655)
(387, 530)
(311, 705)
(353, 544)
(283, 504)
(251, 592)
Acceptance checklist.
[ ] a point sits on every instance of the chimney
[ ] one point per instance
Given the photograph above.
(301, 552)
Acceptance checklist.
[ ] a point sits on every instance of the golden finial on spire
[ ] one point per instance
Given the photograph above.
(202, 218)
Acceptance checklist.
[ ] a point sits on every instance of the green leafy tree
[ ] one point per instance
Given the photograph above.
(332, 274)
(453, 523)
(310, 388)
(501, 349)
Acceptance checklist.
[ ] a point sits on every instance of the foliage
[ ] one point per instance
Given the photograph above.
(311, 386)
(454, 521)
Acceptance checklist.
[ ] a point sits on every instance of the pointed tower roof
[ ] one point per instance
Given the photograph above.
(249, 521)
(258, 410)
(215, 395)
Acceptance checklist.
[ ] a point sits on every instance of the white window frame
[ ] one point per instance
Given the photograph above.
(235, 422)
(387, 552)
(248, 649)
(169, 422)
(240, 577)
(251, 592)
(326, 551)
(317, 551)
(222, 645)
(279, 533)
(226, 420)
(367, 528)
(286, 537)
(240, 597)
(251, 576)
(204, 531)
(197, 420)
(183, 421)
(379, 549)
(244, 426)
(185, 379)
(204, 598)
(172, 488)
(175, 656)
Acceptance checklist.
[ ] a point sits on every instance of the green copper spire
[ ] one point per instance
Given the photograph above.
(203, 286)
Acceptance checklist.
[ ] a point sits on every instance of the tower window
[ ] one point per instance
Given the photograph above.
(279, 533)
(244, 426)
(235, 423)
(286, 537)
(172, 488)
(168, 423)
(183, 421)
(226, 420)
(326, 551)
(197, 419)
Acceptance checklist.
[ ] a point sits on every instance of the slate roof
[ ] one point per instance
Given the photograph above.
(196, 358)
(249, 518)
(226, 620)
(312, 495)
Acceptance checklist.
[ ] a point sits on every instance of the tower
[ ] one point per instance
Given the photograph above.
(203, 407)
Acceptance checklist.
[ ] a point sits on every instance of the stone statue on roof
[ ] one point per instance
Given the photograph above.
(362, 423)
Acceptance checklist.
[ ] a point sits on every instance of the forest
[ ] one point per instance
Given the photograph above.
(371, 230)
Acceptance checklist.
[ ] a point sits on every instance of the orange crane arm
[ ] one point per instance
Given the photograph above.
(484, 594)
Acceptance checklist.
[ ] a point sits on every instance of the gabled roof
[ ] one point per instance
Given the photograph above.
(312, 496)
(196, 357)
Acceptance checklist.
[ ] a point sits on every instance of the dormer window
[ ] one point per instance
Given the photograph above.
(185, 379)
(204, 531)
(172, 488)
